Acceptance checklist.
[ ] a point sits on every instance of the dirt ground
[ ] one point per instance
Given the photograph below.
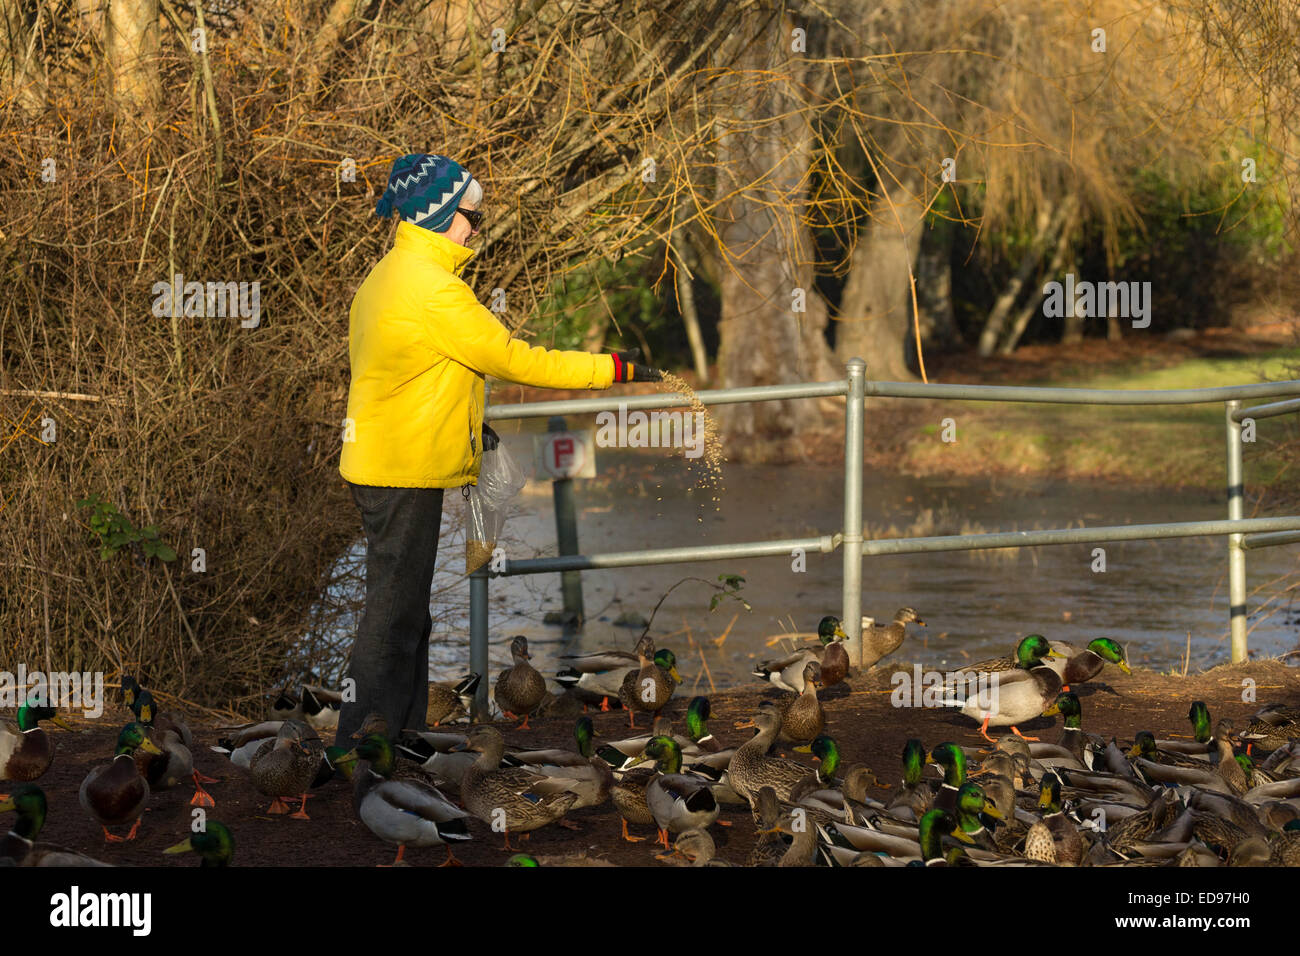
(869, 730)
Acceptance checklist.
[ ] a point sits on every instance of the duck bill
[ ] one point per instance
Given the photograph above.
(1123, 665)
(1044, 799)
(1052, 711)
(149, 747)
(7, 803)
(185, 846)
(672, 672)
(993, 811)
(962, 835)
(841, 633)
(62, 723)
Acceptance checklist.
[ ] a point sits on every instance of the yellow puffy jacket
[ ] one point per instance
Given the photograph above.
(420, 345)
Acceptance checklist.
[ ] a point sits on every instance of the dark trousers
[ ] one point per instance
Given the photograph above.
(390, 657)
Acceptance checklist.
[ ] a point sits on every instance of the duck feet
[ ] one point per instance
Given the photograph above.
(662, 839)
(567, 825)
(1015, 731)
(451, 859)
(984, 729)
(604, 705)
(201, 797)
(401, 849)
(112, 838)
(135, 829)
(524, 725)
(204, 778)
(279, 806)
(302, 810)
(626, 836)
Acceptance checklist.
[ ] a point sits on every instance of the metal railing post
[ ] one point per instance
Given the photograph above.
(851, 616)
(1236, 550)
(566, 535)
(478, 640)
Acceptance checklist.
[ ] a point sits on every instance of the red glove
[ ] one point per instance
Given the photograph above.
(627, 368)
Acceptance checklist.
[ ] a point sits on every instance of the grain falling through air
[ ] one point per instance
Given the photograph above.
(707, 469)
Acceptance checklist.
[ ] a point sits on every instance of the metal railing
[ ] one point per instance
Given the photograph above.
(1242, 533)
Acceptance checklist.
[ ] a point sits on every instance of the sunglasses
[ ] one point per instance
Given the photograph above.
(474, 216)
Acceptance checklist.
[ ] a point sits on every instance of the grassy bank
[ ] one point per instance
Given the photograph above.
(1171, 445)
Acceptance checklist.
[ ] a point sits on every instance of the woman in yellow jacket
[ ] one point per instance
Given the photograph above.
(420, 345)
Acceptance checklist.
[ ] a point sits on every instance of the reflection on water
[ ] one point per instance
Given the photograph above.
(1151, 596)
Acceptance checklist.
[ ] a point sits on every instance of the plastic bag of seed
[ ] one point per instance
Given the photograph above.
(499, 479)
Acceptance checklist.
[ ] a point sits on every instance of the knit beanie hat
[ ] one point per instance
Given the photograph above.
(425, 190)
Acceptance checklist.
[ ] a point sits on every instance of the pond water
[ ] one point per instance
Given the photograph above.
(1165, 600)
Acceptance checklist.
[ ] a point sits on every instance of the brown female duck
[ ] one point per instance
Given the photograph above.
(520, 688)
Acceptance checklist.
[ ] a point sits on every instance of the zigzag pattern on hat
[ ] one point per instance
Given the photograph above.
(426, 165)
(419, 215)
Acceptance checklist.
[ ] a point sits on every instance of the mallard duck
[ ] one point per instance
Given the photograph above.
(441, 755)
(880, 641)
(1074, 664)
(628, 794)
(971, 809)
(953, 761)
(677, 801)
(214, 844)
(697, 848)
(26, 750)
(515, 799)
(317, 707)
(520, 687)
(1273, 726)
(1202, 734)
(115, 793)
(287, 765)
(1144, 746)
(1231, 771)
(1004, 698)
(916, 796)
(650, 686)
(1065, 834)
(698, 712)
(591, 775)
(751, 768)
(1073, 738)
(450, 700)
(244, 740)
(769, 846)
(19, 846)
(786, 673)
(173, 736)
(405, 809)
(802, 715)
(597, 676)
(934, 826)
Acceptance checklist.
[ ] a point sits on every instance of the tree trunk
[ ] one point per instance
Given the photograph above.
(876, 308)
(764, 148)
(686, 304)
(131, 45)
(1035, 302)
(934, 288)
(997, 317)
(1072, 334)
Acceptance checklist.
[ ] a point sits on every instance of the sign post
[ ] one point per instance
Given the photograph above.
(564, 455)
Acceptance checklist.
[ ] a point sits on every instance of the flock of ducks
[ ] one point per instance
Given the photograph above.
(1216, 798)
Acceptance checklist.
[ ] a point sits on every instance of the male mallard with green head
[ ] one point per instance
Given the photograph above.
(916, 794)
(404, 809)
(651, 685)
(952, 759)
(1065, 833)
(115, 793)
(19, 846)
(173, 736)
(934, 826)
(520, 688)
(972, 807)
(26, 750)
(597, 676)
(786, 673)
(677, 801)
(1007, 697)
(1076, 664)
(214, 844)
